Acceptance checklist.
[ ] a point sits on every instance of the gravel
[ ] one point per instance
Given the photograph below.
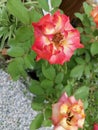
(15, 105)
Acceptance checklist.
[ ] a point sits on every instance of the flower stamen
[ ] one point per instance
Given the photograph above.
(69, 118)
(58, 37)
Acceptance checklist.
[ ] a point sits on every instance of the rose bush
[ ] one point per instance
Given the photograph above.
(39, 30)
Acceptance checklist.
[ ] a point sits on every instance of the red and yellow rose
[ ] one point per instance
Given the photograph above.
(95, 126)
(68, 113)
(55, 38)
(94, 14)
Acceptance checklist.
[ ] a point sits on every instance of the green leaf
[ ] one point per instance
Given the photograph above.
(87, 30)
(85, 38)
(85, 104)
(3, 30)
(15, 51)
(37, 122)
(67, 89)
(86, 21)
(24, 34)
(77, 71)
(55, 3)
(47, 123)
(43, 4)
(79, 60)
(80, 29)
(54, 10)
(96, 96)
(16, 68)
(49, 72)
(38, 99)
(80, 16)
(87, 57)
(27, 62)
(58, 90)
(94, 48)
(35, 16)
(21, 67)
(48, 113)
(87, 8)
(87, 71)
(59, 86)
(16, 8)
(4, 14)
(46, 83)
(59, 77)
(37, 106)
(35, 88)
(82, 93)
(95, 33)
(13, 70)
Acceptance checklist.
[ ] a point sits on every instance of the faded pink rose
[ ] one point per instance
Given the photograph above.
(55, 38)
(95, 126)
(94, 14)
(68, 113)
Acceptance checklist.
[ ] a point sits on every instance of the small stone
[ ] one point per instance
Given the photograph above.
(15, 105)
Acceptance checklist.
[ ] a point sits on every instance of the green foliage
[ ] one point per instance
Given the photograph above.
(94, 48)
(77, 71)
(48, 72)
(36, 123)
(7, 27)
(17, 8)
(80, 60)
(86, 21)
(59, 77)
(68, 89)
(95, 33)
(82, 93)
(77, 77)
(35, 88)
(55, 3)
(37, 106)
(80, 16)
(47, 114)
(16, 69)
(87, 8)
(16, 51)
(46, 83)
(44, 4)
(47, 123)
(24, 33)
(34, 15)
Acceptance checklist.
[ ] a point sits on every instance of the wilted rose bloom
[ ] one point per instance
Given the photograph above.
(68, 113)
(94, 14)
(95, 126)
(55, 38)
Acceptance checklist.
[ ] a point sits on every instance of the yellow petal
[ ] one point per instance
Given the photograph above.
(63, 109)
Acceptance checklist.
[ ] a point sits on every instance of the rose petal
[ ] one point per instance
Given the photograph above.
(56, 113)
(58, 58)
(94, 14)
(59, 128)
(63, 98)
(80, 123)
(95, 126)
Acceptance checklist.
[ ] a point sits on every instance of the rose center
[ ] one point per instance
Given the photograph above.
(69, 118)
(58, 37)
